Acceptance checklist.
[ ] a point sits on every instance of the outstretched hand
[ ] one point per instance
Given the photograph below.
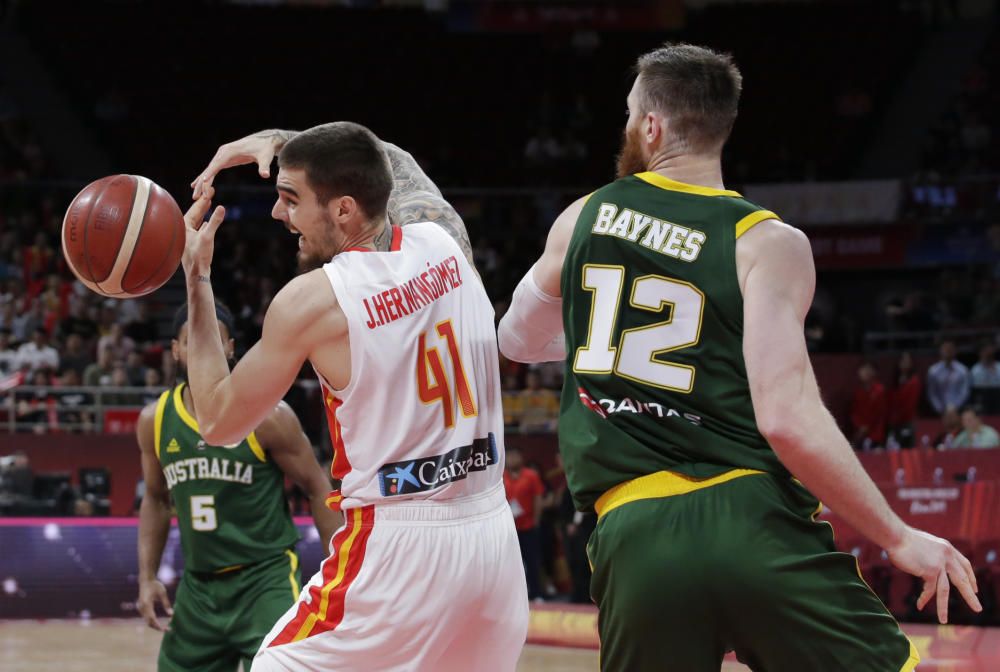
(199, 244)
(259, 148)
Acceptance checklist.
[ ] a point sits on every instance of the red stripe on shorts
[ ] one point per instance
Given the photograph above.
(352, 541)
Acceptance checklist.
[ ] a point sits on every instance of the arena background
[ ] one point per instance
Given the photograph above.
(873, 126)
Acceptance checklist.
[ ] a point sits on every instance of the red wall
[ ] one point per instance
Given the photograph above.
(69, 452)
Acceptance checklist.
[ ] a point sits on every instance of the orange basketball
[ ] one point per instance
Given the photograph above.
(123, 236)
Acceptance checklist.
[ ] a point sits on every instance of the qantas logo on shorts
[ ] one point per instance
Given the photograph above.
(428, 473)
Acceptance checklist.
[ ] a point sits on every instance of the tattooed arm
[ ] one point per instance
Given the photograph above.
(415, 198)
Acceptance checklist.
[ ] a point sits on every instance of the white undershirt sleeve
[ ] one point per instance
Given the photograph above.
(532, 330)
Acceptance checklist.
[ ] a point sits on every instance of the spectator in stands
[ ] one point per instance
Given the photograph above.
(142, 329)
(116, 339)
(38, 261)
(7, 317)
(539, 406)
(8, 356)
(37, 353)
(33, 411)
(986, 380)
(135, 369)
(904, 398)
(74, 410)
(975, 433)
(26, 323)
(948, 381)
(119, 378)
(868, 410)
(152, 386)
(99, 373)
(524, 489)
(75, 356)
(951, 426)
(79, 323)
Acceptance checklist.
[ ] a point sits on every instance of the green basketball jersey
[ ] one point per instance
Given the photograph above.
(230, 500)
(653, 315)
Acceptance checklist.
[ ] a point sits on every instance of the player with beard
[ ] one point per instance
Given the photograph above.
(240, 568)
(426, 573)
(691, 421)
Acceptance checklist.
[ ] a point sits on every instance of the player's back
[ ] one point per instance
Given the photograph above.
(653, 316)
(421, 416)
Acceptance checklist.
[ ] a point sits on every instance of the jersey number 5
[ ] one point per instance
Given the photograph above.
(432, 381)
(203, 513)
(636, 355)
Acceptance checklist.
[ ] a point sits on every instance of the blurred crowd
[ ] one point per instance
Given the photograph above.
(884, 414)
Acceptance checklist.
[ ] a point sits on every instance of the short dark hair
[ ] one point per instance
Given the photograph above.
(222, 314)
(342, 159)
(697, 87)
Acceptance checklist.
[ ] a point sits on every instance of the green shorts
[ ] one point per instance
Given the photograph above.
(741, 565)
(221, 619)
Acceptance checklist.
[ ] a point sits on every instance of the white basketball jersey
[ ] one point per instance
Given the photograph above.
(421, 417)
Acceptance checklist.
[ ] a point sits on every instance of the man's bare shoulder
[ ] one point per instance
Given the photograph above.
(145, 426)
(305, 300)
(771, 241)
(773, 234)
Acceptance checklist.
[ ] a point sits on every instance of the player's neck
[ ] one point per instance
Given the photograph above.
(188, 400)
(702, 170)
(376, 236)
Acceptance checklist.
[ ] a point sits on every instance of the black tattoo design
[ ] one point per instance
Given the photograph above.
(415, 198)
(276, 134)
(383, 239)
(203, 278)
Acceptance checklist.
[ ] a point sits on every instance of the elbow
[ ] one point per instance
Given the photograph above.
(781, 427)
(510, 345)
(214, 435)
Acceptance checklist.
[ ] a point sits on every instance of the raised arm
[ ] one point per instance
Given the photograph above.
(414, 197)
(777, 278)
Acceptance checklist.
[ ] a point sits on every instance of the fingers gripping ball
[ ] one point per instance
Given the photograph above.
(123, 236)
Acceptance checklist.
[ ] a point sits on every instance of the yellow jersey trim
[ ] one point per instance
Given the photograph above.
(914, 659)
(255, 446)
(752, 220)
(294, 562)
(161, 406)
(661, 484)
(183, 412)
(662, 182)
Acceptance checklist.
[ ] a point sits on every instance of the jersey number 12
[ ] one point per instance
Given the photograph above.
(636, 355)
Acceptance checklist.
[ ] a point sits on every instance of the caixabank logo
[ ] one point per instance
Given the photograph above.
(428, 473)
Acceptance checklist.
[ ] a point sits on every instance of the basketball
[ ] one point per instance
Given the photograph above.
(123, 236)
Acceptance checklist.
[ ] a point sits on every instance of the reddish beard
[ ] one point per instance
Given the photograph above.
(630, 158)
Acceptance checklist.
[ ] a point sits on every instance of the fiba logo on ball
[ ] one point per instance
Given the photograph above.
(123, 236)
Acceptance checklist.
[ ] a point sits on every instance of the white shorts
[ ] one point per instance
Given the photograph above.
(412, 586)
